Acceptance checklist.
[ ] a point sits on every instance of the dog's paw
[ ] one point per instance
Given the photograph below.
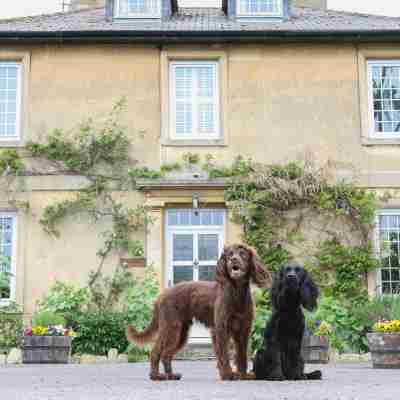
(229, 376)
(250, 376)
(156, 376)
(275, 378)
(174, 377)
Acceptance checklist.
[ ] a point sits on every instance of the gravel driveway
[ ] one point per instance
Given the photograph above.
(130, 381)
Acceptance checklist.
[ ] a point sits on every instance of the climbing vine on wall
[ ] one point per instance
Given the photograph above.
(276, 204)
(273, 202)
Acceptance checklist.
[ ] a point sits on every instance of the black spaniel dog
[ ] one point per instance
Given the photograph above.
(281, 359)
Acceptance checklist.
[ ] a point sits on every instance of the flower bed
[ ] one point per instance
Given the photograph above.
(384, 344)
(47, 345)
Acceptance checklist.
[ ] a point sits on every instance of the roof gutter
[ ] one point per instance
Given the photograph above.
(176, 37)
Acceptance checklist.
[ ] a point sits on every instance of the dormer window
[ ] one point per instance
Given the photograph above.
(137, 8)
(260, 8)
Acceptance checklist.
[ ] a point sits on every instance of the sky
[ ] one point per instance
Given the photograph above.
(17, 8)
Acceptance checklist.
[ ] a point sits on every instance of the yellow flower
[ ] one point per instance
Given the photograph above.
(387, 326)
(40, 330)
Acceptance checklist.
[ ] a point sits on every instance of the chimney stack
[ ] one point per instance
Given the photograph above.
(320, 4)
(85, 4)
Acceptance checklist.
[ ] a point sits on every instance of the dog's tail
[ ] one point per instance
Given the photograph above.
(141, 338)
(314, 375)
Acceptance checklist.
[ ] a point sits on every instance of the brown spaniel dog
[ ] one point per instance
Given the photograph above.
(225, 306)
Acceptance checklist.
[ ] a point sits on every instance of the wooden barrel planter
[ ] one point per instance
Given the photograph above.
(385, 350)
(46, 349)
(315, 349)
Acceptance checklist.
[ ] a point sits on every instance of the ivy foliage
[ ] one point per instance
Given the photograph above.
(11, 325)
(100, 151)
(263, 197)
(10, 162)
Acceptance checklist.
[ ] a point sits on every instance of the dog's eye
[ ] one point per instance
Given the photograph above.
(297, 269)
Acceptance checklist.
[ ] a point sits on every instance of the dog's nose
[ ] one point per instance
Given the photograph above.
(291, 275)
(235, 267)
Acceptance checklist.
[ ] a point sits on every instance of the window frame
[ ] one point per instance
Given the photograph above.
(18, 122)
(196, 135)
(373, 134)
(278, 13)
(13, 215)
(383, 212)
(136, 16)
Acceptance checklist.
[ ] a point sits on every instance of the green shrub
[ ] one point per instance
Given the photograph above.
(11, 326)
(47, 318)
(65, 299)
(347, 331)
(263, 314)
(139, 299)
(99, 331)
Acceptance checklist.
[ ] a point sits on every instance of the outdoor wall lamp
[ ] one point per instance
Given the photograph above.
(195, 201)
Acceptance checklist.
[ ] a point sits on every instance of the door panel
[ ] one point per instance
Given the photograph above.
(208, 247)
(182, 273)
(195, 241)
(206, 272)
(183, 247)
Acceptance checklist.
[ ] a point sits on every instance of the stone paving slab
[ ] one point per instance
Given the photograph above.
(130, 381)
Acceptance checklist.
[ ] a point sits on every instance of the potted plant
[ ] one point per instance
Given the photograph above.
(315, 345)
(384, 344)
(135, 255)
(47, 341)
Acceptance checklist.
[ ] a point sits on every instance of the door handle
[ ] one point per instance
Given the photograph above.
(196, 264)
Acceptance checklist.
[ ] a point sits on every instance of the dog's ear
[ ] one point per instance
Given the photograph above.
(309, 292)
(221, 274)
(258, 272)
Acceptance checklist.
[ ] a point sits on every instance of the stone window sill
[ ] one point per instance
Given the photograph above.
(11, 143)
(380, 142)
(193, 143)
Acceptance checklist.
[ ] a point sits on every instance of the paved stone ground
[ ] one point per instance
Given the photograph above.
(130, 381)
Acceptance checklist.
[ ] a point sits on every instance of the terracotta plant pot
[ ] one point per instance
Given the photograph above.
(135, 262)
(315, 349)
(385, 350)
(46, 349)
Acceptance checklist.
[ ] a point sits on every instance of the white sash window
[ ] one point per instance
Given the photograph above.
(10, 99)
(268, 8)
(388, 235)
(7, 256)
(194, 100)
(138, 8)
(384, 98)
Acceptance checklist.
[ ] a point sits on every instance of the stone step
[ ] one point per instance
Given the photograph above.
(197, 351)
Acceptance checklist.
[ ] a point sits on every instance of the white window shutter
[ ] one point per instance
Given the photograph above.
(194, 100)
(206, 100)
(183, 100)
(10, 76)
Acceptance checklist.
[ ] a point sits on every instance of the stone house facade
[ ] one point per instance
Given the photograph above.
(266, 79)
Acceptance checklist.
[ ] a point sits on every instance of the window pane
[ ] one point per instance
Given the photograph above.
(389, 230)
(207, 273)
(8, 99)
(183, 248)
(182, 274)
(386, 92)
(139, 7)
(260, 6)
(208, 247)
(202, 217)
(6, 236)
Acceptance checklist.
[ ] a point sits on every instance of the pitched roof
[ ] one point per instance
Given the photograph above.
(199, 22)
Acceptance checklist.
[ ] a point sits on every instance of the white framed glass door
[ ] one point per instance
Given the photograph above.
(195, 240)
